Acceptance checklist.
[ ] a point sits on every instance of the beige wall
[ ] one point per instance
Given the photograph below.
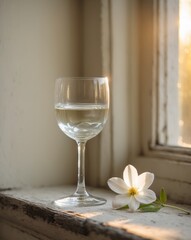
(39, 41)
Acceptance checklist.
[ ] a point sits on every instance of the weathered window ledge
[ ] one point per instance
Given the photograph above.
(27, 214)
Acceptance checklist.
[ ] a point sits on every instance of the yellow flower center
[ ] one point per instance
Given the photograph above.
(132, 191)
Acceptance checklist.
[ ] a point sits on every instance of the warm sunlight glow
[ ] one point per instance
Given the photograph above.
(92, 214)
(184, 85)
(144, 231)
(86, 214)
(185, 21)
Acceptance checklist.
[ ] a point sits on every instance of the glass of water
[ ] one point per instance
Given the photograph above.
(81, 106)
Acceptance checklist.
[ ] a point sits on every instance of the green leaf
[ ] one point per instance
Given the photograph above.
(123, 208)
(158, 201)
(149, 208)
(163, 196)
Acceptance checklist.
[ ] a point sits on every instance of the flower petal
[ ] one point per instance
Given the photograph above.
(120, 201)
(146, 196)
(145, 180)
(130, 176)
(117, 185)
(133, 204)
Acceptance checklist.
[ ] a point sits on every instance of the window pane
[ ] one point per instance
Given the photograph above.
(174, 73)
(185, 73)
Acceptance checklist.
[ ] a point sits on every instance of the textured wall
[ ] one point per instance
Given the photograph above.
(39, 41)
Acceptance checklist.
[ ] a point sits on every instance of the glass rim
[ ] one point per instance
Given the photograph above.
(82, 78)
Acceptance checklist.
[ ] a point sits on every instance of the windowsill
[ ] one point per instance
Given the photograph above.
(28, 212)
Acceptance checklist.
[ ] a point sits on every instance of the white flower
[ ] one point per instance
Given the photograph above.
(133, 190)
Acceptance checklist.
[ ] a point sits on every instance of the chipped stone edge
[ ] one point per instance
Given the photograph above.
(38, 217)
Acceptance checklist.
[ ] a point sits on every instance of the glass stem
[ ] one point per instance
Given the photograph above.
(81, 188)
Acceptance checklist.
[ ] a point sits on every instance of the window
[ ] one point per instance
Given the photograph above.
(165, 95)
(174, 64)
(185, 72)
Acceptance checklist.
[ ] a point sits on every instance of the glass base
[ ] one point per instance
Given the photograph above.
(77, 200)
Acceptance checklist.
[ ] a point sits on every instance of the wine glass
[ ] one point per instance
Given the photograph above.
(81, 106)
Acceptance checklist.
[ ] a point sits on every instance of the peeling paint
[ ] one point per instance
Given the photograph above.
(31, 211)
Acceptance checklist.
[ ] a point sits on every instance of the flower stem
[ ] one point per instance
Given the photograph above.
(177, 208)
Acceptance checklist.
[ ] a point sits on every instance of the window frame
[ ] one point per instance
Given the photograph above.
(165, 75)
(171, 165)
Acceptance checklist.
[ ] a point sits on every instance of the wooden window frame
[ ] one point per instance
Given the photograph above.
(171, 165)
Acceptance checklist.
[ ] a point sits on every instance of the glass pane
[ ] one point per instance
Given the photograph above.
(185, 73)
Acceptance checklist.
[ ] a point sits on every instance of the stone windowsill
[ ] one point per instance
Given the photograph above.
(28, 212)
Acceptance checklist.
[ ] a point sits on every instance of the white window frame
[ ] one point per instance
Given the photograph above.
(172, 166)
